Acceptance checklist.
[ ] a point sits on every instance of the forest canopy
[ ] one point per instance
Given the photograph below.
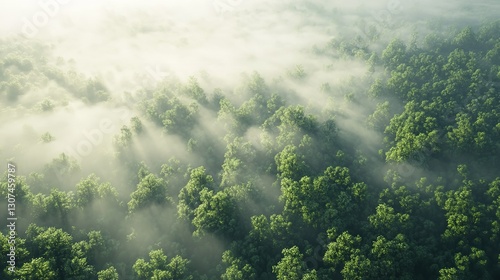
(390, 173)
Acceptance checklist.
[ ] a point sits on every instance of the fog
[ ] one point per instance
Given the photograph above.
(133, 48)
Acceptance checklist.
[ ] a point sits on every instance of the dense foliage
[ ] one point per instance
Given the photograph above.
(304, 199)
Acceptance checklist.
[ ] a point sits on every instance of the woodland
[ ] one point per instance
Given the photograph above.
(394, 174)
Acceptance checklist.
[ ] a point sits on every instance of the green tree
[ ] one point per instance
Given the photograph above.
(90, 190)
(108, 274)
(239, 163)
(190, 195)
(287, 126)
(217, 213)
(236, 268)
(391, 259)
(136, 125)
(158, 267)
(385, 220)
(55, 246)
(151, 190)
(329, 200)
(394, 54)
(37, 268)
(193, 90)
(344, 247)
(47, 137)
(291, 266)
(290, 164)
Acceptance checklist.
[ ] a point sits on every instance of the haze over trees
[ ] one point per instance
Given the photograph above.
(390, 173)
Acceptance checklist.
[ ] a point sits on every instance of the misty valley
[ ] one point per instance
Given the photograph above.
(235, 140)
